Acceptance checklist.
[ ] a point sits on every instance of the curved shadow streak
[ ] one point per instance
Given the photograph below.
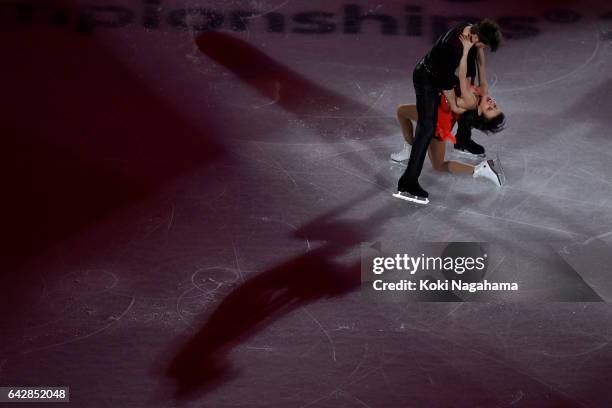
(201, 364)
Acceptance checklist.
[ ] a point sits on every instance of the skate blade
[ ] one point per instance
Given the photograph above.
(500, 170)
(400, 163)
(468, 154)
(411, 198)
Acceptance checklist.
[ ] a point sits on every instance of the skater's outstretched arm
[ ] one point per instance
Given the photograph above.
(468, 99)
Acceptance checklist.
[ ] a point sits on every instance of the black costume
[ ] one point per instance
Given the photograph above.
(433, 74)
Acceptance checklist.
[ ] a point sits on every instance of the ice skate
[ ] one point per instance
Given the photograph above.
(402, 156)
(415, 194)
(470, 149)
(406, 196)
(489, 170)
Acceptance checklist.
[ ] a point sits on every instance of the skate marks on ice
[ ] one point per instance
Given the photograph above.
(318, 108)
(532, 69)
(81, 305)
(210, 284)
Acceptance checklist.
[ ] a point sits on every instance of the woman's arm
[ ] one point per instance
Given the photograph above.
(468, 99)
(452, 101)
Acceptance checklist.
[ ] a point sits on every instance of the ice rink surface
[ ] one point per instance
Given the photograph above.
(174, 197)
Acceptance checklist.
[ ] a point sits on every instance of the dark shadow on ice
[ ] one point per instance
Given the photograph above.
(332, 269)
(202, 362)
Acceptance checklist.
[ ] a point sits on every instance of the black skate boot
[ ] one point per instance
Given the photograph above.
(414, 193)
(470, 148)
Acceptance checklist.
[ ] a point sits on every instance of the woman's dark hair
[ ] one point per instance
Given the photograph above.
(488, 126)
(488, 33)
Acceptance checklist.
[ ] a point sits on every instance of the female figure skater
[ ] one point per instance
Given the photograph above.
(468, 97)
(467, 100)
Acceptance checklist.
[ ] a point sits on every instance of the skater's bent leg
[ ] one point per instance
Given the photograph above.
(459, 167)
(405, 115)
(436, 155)
(408, 112)
(437, 150)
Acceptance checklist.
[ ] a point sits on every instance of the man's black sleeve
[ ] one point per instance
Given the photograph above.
(447, 79)
(471, 68)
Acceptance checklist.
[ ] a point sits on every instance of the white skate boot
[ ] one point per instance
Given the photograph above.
(489, 170)
(402, 156)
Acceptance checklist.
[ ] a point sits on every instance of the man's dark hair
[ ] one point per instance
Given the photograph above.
(488, 33)
(488, 126)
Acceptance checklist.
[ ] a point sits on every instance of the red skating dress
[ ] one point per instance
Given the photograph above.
(447, 118)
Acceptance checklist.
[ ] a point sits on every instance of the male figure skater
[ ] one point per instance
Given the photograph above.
(435, 73)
